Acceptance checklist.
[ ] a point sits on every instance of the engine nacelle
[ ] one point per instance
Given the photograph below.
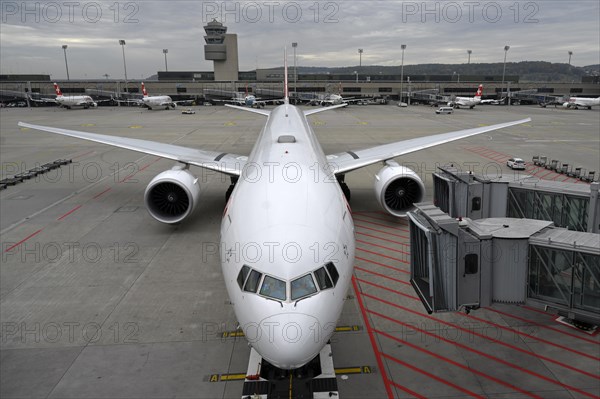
(397, 188)
(172, 195)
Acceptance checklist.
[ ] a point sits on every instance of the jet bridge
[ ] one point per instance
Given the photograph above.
(571, 205)
(466, 263)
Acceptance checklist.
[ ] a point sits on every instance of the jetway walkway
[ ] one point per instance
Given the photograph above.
(504, 241)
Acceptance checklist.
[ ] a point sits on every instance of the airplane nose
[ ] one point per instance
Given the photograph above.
(289, 340)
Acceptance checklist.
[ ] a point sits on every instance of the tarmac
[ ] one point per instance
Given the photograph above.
(99, 300)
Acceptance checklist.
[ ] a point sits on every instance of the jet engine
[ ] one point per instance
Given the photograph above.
(397, 188)
(172, 195)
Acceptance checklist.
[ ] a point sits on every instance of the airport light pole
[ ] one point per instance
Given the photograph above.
(403, 47)
(122, 43)
(506, 48)
(294, 45)
(469, 53)
(64, 47)
(570, 54)
(165, 52)
(360, 51)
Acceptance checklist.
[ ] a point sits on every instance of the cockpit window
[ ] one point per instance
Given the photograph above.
(302, 287)
(273, 288)
(333, 272)
(323, 279)
(252, 282)
(241, 279)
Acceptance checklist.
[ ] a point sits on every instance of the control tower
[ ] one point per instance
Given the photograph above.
(221, 48)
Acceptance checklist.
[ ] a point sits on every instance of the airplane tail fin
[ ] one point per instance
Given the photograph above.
(144, 92)
(57, 90)
(286, 98)
(479, 91)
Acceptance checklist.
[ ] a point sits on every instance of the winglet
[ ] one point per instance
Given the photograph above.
(286, 99)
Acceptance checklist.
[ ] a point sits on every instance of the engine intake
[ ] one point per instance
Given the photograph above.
(398, 188)
(172, 195)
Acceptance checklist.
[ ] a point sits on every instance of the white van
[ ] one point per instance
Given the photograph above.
(444, 110)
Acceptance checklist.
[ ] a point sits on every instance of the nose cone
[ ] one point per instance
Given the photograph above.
(289, 340)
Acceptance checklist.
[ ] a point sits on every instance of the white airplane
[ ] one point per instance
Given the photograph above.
(287, 233)
(69, 102)
(470, 102)
(153, 102)
(576, 102)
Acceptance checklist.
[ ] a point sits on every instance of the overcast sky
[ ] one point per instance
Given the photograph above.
(328, 33)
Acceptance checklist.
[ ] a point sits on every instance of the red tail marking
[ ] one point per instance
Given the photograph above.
(57, 89)
(479, 91)
(144, 92)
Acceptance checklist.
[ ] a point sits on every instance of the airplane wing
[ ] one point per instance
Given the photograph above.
(264, 112)
(315, 111)
(230, 164)
(350, 160)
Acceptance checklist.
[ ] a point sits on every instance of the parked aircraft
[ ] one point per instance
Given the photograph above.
(470, 102)
(576, 102)
(287, 233)
(69, 102)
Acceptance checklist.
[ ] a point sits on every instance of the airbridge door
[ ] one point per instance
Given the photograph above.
(469, 269)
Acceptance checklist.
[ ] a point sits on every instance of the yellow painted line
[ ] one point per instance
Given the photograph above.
(363, 123)
(236, 334)
(233, 377)
(354, 370)
(242, 376)
(88, 124)
(136, 126)
(230, 124)
(24, 128)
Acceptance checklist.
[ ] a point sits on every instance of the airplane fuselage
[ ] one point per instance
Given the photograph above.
(575, 102)
(75, 101)
(465, 101)
(287, 218)
(155, 102)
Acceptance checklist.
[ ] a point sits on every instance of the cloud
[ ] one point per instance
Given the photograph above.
(329, 33)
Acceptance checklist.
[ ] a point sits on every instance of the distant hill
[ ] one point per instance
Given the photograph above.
(528, 71)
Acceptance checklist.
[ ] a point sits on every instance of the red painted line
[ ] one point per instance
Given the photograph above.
(595, 376)
(568, 178)
(23, 240)
(491, 357)
(382, 255)
(382, 265)
(70, 212)
(366, 213)
(512, 330)
(386, 289)
(384, 239)
(544, 326)
(385, 220)
(386, 381)
(380, 231)
(547, 174)
(433, 376)
(140, 170)
(99, 194)
(459, 365)
(408, 391)
(381, 225)
(383, 247)
(381, 275)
